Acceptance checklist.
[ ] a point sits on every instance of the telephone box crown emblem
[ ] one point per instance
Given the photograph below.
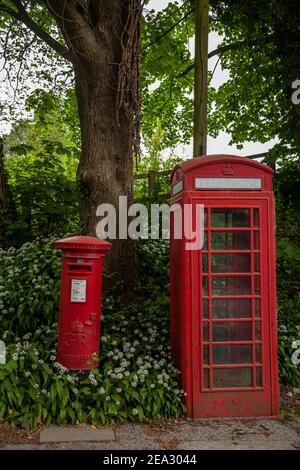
(228, 170)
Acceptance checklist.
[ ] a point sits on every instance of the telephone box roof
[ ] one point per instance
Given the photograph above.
(206, 160)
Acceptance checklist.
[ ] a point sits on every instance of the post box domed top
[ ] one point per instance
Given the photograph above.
(83, 243)
(220, 168)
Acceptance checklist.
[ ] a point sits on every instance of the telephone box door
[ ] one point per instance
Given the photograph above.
(235, 336)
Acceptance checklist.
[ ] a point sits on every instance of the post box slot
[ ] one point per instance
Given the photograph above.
(80, 267)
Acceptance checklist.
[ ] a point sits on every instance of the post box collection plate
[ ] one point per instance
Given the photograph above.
(78, 290)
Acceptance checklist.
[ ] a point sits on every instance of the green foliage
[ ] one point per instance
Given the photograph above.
(166, 87)
(41, 162)
(288, 291)
(288, 265)
(153, 260)
(154, 160)
(28, 62)
(256, 102)
(136, 380)
(29, 286)
(44, 197)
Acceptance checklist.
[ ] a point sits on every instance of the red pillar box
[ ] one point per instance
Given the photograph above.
(223, 295)
(80, 301)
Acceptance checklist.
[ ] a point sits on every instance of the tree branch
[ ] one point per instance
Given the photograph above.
(74, 22)
(9, 11)
(165, 33)
(94, 11)
(229, 47)
(22, 16)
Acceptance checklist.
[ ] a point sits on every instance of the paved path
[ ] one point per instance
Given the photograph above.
(183, 435)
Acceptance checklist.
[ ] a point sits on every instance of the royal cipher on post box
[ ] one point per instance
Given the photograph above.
(223, 295)
(80, 301)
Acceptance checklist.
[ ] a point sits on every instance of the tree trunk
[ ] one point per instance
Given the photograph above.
(105, 170)
(102, 39)
(200, 77)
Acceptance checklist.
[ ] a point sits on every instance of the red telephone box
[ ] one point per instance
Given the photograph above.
(223, 295)
(80, 301)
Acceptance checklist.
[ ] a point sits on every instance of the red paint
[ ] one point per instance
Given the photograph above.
(223, 297)
(80, 301)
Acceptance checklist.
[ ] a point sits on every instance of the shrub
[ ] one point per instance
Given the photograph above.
(29, 286)
(288, 288)
(136, 379)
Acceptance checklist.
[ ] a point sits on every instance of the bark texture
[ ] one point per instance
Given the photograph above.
(103, 43)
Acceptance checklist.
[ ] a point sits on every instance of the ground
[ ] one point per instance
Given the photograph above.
(276, 434)
(171, 435)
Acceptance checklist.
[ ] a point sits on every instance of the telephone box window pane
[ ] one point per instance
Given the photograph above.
(204, 263)
(205, 333)
(232, 378)
(230, 240)
(204, 247)
(231, 263)
(222, 308)
(229, 218)
(229, 285)
(232, 331)
(242, 308)
(204, 286)
(257, 263)
(206, 378)
(206, 355)
(231, 308)
(256, 285)
(205, 313)
(256, 218)
(232, 354)
(205, 217)
(257, 308)
(259, 377)
(257, 331)
(258, 357)
(256, 240)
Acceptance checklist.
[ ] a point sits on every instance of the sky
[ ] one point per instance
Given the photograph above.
(221, 143)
